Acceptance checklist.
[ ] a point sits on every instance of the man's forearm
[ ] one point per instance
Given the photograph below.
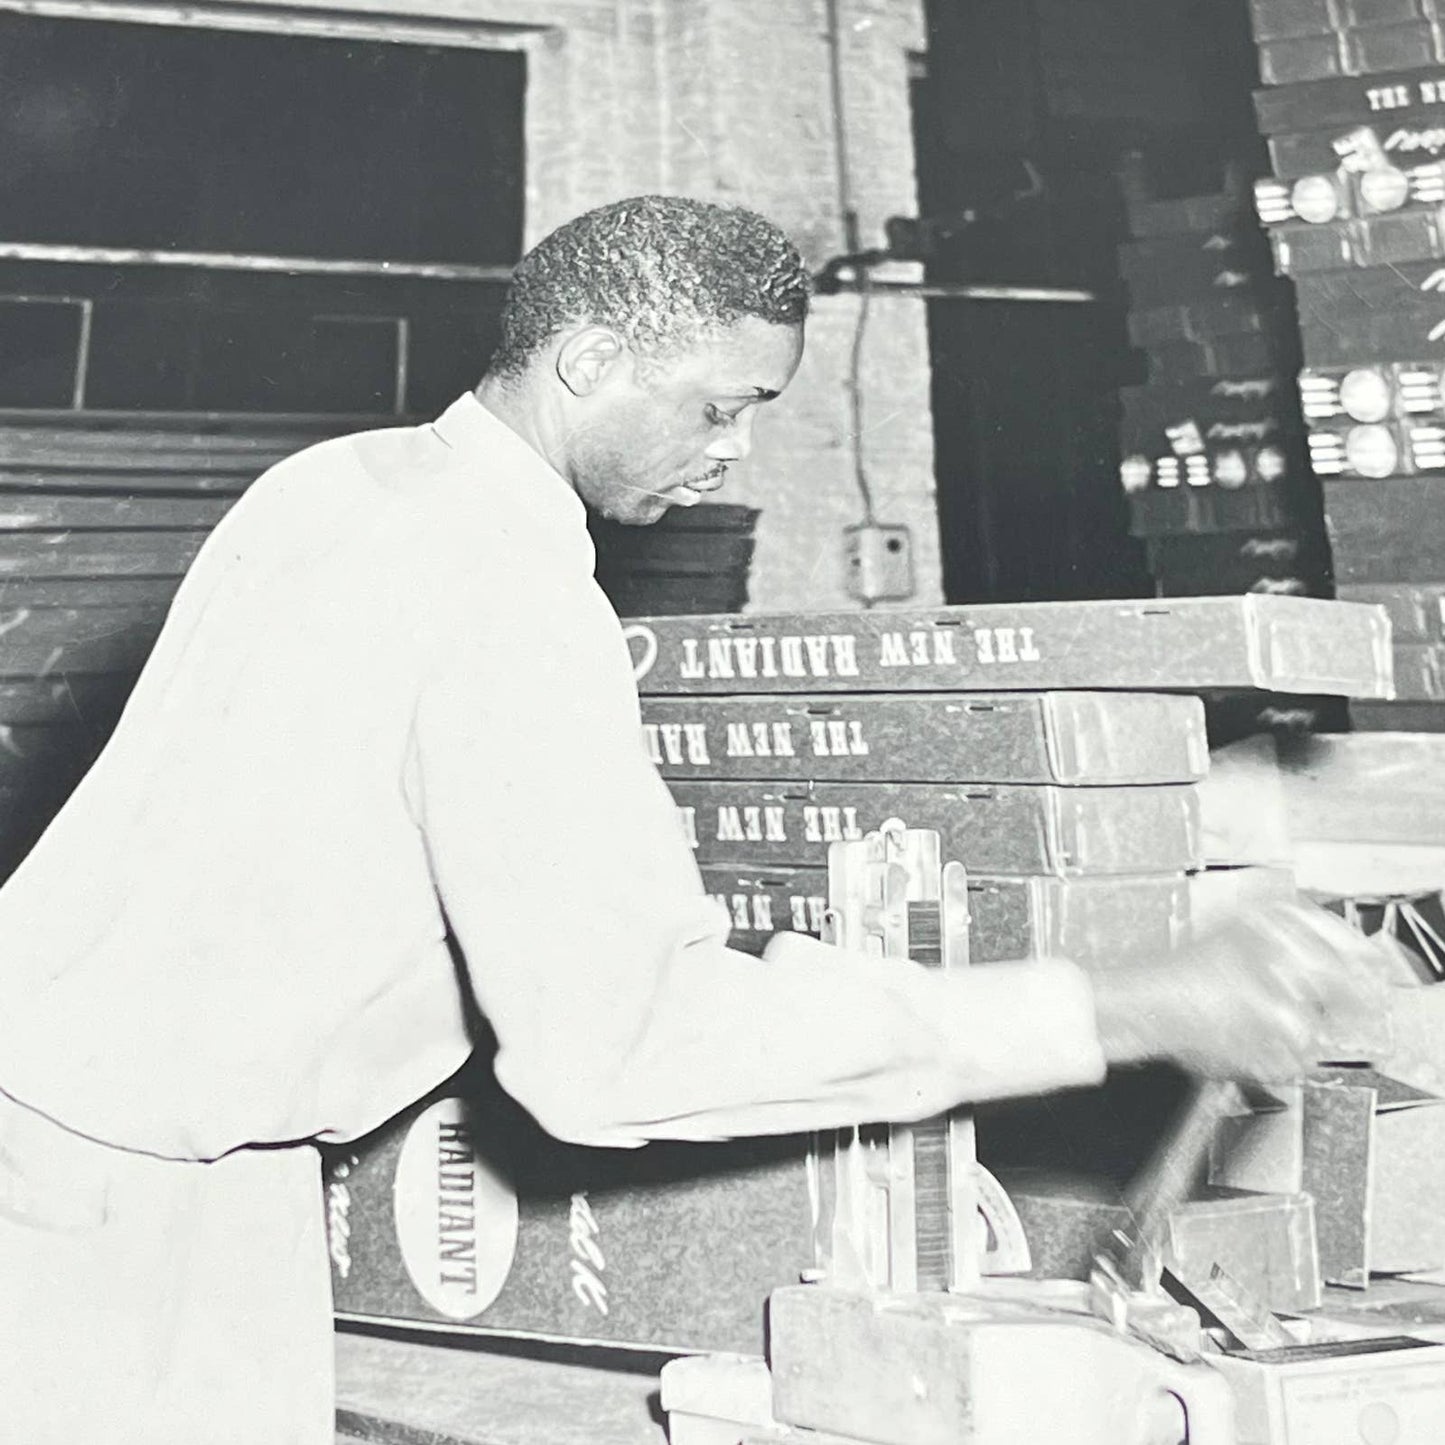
(816, 1037)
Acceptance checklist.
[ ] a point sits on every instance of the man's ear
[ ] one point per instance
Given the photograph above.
(585, 358)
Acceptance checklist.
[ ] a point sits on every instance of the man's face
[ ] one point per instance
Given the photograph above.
(662, 437)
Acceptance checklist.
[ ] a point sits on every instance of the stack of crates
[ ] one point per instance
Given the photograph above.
(1055, 749)
(1214, 463)
(1353, 111)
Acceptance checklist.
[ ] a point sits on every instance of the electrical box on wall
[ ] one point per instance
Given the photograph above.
(880, 562)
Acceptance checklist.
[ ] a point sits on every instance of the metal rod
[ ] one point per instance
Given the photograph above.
(842, 160)
(262, 19)
(452, 270)
(124, 419)
(82, 354)
(1067, 294)
(941, 291)
(227, 261)
(403, 363)
(37, 298)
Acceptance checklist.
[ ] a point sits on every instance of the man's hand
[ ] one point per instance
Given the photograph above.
(1265, 997)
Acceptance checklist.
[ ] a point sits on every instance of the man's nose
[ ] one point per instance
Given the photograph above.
(731, 448)
(735, 444)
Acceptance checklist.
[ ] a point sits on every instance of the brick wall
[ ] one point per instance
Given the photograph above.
(732, 100)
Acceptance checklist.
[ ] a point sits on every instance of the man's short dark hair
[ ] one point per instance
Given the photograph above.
(658, 270)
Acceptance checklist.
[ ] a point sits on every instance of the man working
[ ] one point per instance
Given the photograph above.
(390, 702)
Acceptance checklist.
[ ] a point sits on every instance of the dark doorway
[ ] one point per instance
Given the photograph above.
(1023, 120)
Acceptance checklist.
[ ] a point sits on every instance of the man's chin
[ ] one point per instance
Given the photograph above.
(641, 512)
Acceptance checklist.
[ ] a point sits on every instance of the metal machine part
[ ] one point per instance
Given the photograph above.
(907, 1207)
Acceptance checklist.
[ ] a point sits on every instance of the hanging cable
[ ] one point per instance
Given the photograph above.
(852, 245)
(855, 394)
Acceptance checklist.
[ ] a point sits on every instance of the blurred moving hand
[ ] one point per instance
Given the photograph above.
(1265, 997)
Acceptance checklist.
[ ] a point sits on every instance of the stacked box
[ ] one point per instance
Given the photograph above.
(1357, 817)
(1354, 117)
(1055, 746)
(779, 736)
(1214, 462)
(1074, 812)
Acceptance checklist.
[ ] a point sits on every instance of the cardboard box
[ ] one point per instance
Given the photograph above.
(1267, 1242)
(1198, 267)
(1397, 717)
(1387, 531)
(1066, 1220)
(1342, 52)
(1285, 19)
(1278, 644)
(1353, 337)
(1339, 1392)
(1377, 1175)
(1419, 672)
(1188, 214)
(1416, 613)
(1069, 738)
(1162, 512)
(1408, 137)
(991, 829)
(1386, 240)
(1232, 313)
(464, 1216)
(1356, 100)
(1096, 922)
(1302, 58)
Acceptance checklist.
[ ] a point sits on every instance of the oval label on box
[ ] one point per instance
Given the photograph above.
(642, 643)
(456, 1218)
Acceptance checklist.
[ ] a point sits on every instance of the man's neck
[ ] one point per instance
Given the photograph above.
(515, 405)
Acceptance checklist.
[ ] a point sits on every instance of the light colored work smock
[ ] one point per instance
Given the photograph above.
(389, 695)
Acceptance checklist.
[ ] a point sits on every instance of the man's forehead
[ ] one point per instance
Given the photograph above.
(747, 361)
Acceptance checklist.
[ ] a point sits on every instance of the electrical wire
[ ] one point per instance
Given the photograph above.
(855, 395)
(852, 245)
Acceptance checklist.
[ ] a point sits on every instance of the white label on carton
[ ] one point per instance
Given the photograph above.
(456, 1221)
(1374, 1405)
